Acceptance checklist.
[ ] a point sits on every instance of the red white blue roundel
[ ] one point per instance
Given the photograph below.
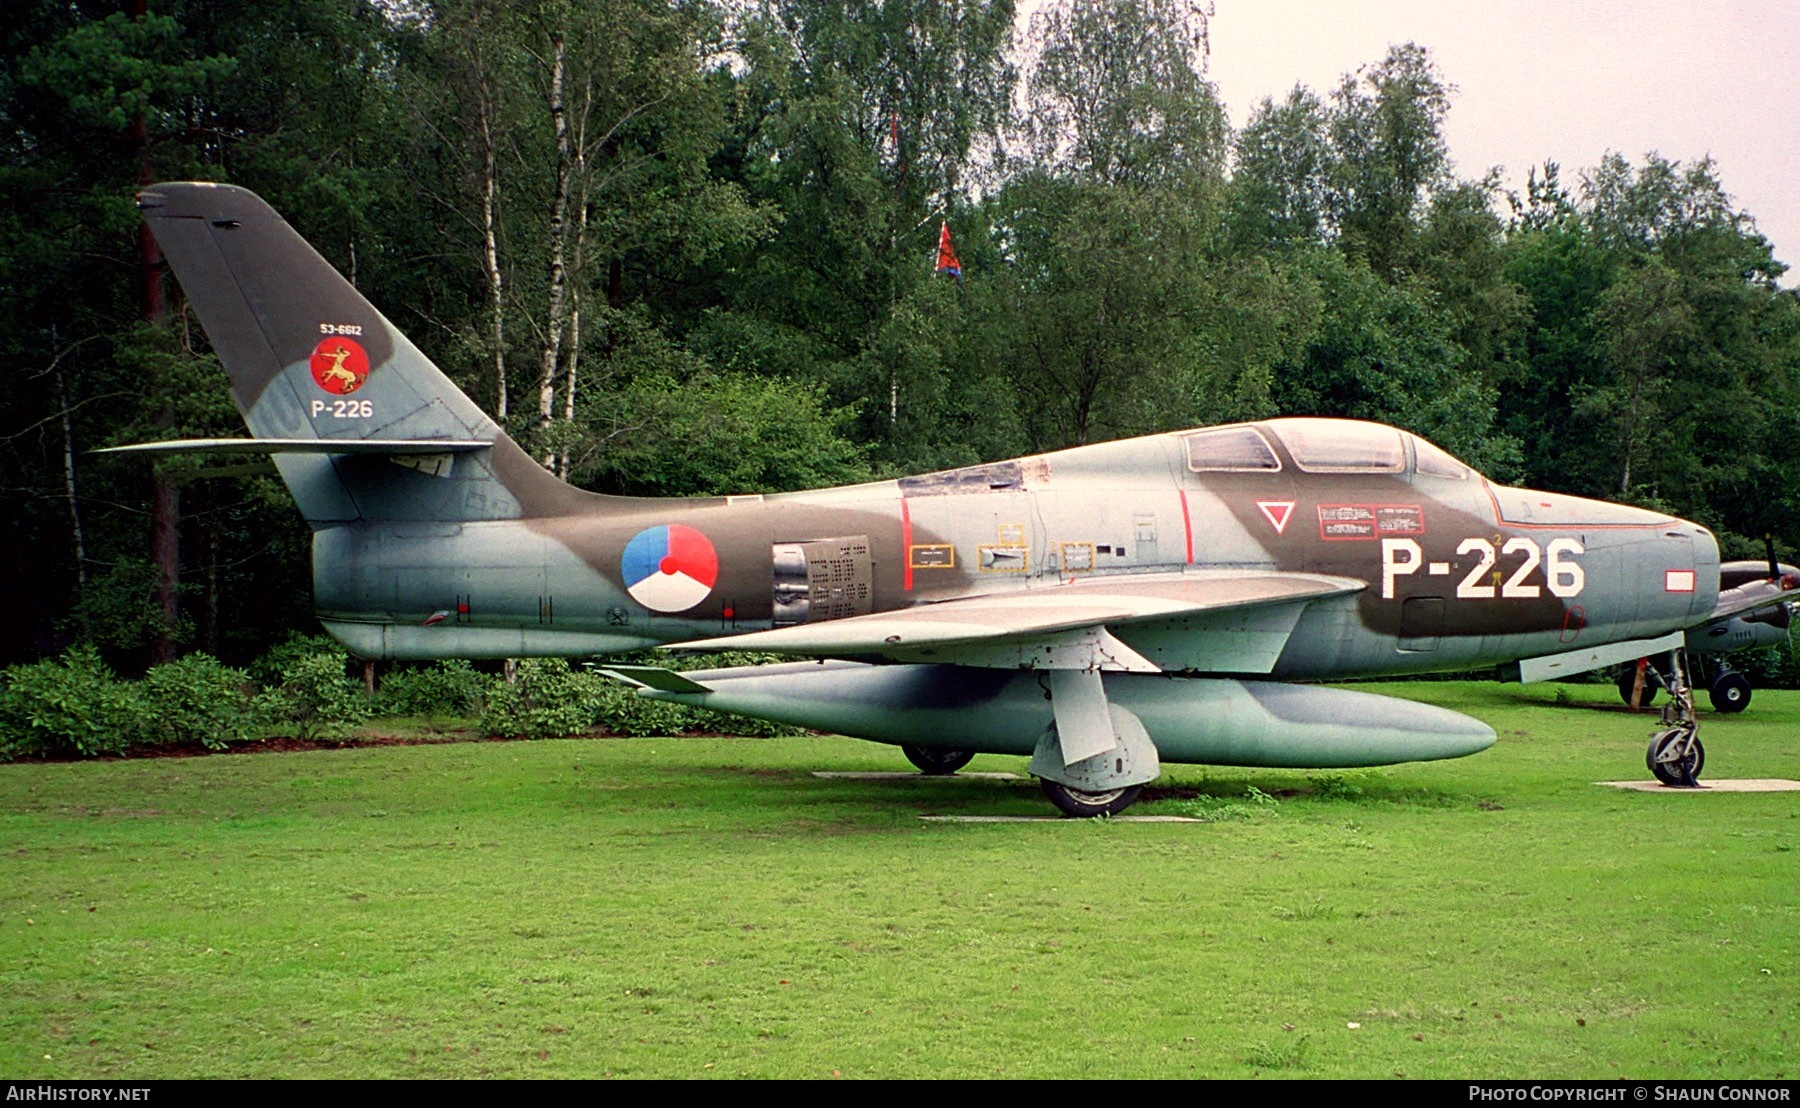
(669, 569)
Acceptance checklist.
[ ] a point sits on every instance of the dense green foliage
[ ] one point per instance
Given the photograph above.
(74, 705)
(314, 698)
(453, 688)
(688, 247)
(307, 688)
(68, 706)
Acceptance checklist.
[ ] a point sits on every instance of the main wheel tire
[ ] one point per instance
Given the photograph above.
(1652, 685)
(933, 762)
(1730, 692)
(1683, 773)
(1074, 802)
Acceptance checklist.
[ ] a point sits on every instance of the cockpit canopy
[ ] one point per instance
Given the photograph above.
(1319, 445)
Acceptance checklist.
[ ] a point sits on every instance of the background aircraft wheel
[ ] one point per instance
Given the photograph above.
(1730, 692)
(1683, 773)
(1074, 802)
(937, 763)
(1652, 683)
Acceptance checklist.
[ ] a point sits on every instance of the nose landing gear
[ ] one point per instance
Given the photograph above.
(1675, 756)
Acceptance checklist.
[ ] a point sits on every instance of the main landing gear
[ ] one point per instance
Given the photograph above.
(1675, 756)
(933, 762)
(1082, 805)
(1096, 757)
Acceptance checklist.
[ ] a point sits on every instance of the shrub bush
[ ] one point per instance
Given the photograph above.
(622, 711)
(196, 700)
(451, 688)
(1774, 668)
(547, 700)
(268, 669)
(315, 698)
(69, 705)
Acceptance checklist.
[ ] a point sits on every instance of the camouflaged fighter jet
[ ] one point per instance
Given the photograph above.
(1102, 609)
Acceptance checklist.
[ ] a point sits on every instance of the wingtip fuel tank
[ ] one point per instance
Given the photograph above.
(1214, 721)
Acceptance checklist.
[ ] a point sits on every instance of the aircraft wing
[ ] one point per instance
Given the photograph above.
(1064, 627)
(1751, 596)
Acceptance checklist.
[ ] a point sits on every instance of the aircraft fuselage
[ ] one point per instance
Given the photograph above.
(1457, 573)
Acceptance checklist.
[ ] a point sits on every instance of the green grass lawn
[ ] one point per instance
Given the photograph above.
(706, 907)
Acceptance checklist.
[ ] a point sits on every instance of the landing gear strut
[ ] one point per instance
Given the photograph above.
(1675, 756)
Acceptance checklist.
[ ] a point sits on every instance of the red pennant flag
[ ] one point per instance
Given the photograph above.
(947, 262)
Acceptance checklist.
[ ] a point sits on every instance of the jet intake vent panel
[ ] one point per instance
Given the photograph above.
(823, 579)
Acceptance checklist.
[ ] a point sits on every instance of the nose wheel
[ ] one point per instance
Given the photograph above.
(1675, 758)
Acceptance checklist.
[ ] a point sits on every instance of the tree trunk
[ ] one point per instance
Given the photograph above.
(490, 194)
(165, 557)
(558, 276)
(165, 498)
(572, 361)
(62, 400)
(209, 633)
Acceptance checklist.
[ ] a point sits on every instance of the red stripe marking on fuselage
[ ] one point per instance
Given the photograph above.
(1187, 526)
(906, 544)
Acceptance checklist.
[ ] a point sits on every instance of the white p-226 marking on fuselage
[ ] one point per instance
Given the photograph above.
(1563, 576)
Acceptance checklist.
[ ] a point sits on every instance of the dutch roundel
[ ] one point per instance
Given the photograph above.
(669, 569)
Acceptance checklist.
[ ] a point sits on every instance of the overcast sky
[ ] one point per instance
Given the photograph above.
(1564, 80)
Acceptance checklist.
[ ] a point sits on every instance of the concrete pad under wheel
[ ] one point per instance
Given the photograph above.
(1059, 819)
(850, 775)
(1727, 785)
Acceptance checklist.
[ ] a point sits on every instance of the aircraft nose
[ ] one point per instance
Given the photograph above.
(1703, 553)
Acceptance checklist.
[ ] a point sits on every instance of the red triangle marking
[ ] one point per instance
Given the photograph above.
(1278, 512)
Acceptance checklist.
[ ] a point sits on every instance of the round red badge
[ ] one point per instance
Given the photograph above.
(340, 365)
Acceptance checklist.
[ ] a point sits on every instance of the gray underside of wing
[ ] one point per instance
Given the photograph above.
(1056, 627)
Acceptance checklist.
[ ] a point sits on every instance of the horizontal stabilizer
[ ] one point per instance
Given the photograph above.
(653, 677)
(300, 446)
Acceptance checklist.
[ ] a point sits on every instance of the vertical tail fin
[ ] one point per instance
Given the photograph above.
(309, 358)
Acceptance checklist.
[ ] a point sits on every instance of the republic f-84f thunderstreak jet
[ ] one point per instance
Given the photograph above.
(1101, 609)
